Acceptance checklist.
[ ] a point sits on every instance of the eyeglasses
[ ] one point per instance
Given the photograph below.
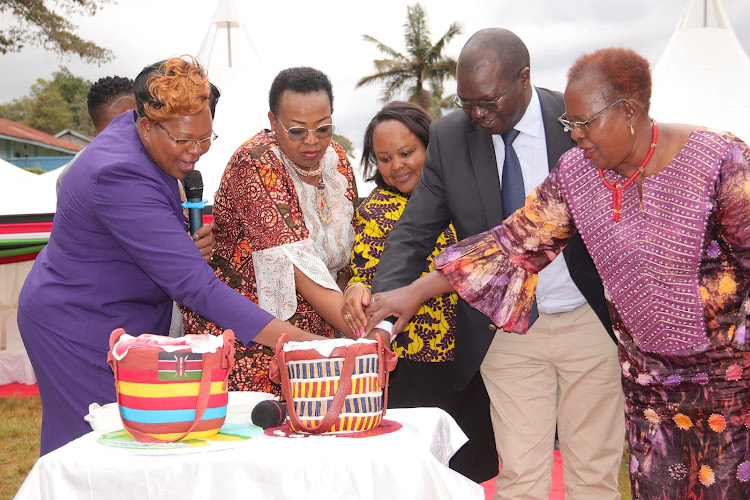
(189, 143)
(571, 125)
(486, 106)
(299, 134)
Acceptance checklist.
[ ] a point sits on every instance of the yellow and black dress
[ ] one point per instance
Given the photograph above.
(424, 371)
(429, 336)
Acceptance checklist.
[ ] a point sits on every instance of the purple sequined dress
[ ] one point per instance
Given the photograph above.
(676, 274)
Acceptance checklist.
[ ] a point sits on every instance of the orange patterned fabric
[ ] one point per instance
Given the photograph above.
(256, 208)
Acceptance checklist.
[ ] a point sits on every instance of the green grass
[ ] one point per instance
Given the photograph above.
(20, 424)
(623, 481)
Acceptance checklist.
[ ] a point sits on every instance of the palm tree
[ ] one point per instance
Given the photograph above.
(423, 65)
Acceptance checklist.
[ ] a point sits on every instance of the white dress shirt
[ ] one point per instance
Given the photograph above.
(555, 290)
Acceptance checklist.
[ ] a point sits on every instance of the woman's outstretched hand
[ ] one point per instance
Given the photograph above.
(399, 302)
(405, 302)
(356, 298)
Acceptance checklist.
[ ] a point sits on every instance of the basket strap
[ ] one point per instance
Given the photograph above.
(113, 338)
(204, 392)
(386, 363)
(334, 410)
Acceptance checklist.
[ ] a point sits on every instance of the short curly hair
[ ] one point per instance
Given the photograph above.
(172, 88)
(303, 80)
(107, 90)
(624, 73)
(414, 117)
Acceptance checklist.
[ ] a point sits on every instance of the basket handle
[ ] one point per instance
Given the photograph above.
(334, 410)
(204, 390)
(203, 393)
(111, 361)
(387, 360)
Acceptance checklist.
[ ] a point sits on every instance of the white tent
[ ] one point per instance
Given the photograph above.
(701, 78)
(26, 193)
(14, 363)
(235, 67)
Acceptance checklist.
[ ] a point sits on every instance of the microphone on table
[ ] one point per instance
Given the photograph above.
(194, 199)
(268, 413)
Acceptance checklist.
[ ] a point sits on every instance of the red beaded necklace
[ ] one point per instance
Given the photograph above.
(617, 187)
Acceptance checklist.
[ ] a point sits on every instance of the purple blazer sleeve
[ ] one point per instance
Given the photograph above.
(146, 226)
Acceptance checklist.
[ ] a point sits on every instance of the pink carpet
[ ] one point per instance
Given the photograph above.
(558, 488)
(19, 390)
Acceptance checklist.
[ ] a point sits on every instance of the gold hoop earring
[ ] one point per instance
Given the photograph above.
(632, 132)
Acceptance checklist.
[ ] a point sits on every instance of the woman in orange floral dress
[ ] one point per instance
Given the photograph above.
(284, 221)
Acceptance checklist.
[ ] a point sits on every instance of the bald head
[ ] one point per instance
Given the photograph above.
(493, 81)
(494, 45)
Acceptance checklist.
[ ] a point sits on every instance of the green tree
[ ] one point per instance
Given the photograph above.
(45, 23)
(420, 72)
(53, 105)
(344, 143)
(16, 110)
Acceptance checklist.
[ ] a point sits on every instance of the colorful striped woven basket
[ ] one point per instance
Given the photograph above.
(169, 396)
(344, 392)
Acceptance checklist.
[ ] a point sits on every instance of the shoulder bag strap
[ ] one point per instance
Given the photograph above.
(334, 410)
(386, 364)
(204, 390)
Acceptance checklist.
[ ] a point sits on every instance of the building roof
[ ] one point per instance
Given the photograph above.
(15, 131)
(72, 132)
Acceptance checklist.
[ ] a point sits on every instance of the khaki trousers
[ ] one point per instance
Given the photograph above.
(564, 371)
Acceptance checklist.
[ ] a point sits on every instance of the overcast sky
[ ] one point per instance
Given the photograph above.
(327, 34)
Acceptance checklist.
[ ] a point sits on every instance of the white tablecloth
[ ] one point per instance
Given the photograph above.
(410, 463)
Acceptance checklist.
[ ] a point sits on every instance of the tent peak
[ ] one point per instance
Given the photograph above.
(703, 14)
(226, 43)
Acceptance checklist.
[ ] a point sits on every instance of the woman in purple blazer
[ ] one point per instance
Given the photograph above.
(120, 253)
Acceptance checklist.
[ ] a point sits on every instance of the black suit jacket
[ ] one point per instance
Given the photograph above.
(460, 183)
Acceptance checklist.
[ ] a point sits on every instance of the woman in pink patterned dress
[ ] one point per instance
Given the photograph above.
(663, 210)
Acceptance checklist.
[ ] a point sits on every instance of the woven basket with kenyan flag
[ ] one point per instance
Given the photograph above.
(335, 385)
(169, 389)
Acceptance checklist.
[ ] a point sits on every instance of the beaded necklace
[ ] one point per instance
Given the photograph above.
(301, 171)
(617, 187)
(322, 206)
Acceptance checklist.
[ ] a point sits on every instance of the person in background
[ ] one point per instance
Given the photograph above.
(284, 221)
(563, 374)
(393, 156)
(663, 209)
(119, 252)
(108, 97)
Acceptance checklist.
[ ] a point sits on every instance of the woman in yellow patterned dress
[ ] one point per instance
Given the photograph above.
(393, 155)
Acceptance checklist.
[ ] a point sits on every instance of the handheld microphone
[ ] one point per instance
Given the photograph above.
(194, 199)
(268, 413)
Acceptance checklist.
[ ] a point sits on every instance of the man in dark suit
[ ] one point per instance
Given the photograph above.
(564, 371)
